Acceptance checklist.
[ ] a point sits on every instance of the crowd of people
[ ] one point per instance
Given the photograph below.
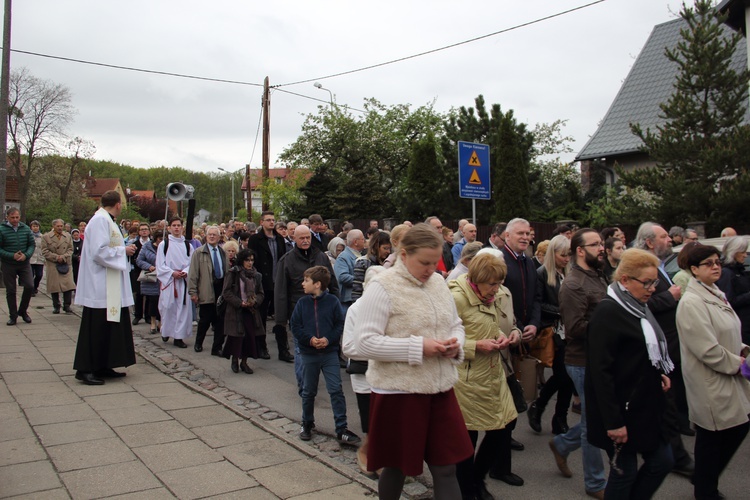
(429, 323)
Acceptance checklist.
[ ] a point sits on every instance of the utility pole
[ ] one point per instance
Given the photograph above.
(266, 144)
(4, 97)
(248, 193)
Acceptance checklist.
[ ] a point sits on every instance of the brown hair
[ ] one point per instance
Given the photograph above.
(420, 236)
(111, 198)
(318, 274)
(487, 268)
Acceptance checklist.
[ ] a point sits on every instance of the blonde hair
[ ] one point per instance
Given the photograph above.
(397, 233)
(420, 236)
(231, 244)
(633, 261)
(558, 243)
(487, 268)
(541, 248)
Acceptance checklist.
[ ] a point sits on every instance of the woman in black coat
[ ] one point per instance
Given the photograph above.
(735, 281)
(243, 296)
(627, 363)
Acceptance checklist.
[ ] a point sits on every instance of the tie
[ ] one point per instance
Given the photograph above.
(217, 265)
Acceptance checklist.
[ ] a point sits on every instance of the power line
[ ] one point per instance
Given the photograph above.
(257, 134)
(432, 51)
(139, 70)
(317, 99)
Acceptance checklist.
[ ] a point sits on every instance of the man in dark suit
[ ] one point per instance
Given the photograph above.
(269, 247)
(144, 236)
(663, 303)
(317, 228)
(521, 280)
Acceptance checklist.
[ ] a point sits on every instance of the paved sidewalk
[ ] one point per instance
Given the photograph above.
(147, 435)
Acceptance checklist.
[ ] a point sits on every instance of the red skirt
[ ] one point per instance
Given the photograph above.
(409, 429)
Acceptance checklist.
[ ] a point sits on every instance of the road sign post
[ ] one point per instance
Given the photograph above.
(474, 173)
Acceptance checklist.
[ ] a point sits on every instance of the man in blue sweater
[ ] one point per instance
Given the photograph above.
(317, 324)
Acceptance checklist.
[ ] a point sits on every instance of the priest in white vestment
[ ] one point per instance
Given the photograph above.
(105, 338)
(172, 266)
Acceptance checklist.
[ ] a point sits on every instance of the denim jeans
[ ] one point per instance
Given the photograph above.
(643, 482)
(593, 466)
(312, 365)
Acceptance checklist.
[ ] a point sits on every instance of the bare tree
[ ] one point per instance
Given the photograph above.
(39, 112)
(81, 149)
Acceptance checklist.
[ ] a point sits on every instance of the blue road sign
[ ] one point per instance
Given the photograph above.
(474, 170)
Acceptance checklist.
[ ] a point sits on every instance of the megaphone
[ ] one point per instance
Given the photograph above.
(177, 191)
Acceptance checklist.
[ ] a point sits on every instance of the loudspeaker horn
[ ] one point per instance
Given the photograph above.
(177, 191)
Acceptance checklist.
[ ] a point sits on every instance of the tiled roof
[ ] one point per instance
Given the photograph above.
(97, 187)
(143, 194)
(649, 83)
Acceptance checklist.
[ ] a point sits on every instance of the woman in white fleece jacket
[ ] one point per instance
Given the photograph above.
(412, 335)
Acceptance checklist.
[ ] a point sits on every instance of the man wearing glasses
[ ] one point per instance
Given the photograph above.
(580, 292)
(269, 246)
(663, 303)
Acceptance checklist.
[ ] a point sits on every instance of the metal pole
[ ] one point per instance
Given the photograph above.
(4, 97)
(232, 195)
(266, 146)
(474, 211)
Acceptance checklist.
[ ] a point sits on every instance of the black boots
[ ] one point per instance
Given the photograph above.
(279, 332)
(535, 416)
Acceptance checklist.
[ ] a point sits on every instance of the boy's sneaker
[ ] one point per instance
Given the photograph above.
(348, 437)
(305, 433)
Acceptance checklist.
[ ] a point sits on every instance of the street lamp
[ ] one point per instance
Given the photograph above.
(231, 177)
(318, 85)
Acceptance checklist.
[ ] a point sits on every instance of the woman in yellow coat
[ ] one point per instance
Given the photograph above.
(486, 309)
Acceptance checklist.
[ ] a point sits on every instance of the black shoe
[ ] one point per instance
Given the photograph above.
(26, 318)
(285, 356)
(559, 425)
(481, 491)
(179, 343)
(136, 320)
(509, 478)
(89, 378)
(348, 437)
(11, 322)
(515, 445)
(198, 348)
(216, 353)
(55, 310)
(165, 339)
(264, 354)
(235, 366)
(245, 368)
(109, 373)
(67, 310)
(535, 417)
(305, 433)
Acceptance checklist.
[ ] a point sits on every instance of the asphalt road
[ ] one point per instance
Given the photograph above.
(273, 385)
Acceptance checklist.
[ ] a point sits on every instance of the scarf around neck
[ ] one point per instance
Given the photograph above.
(656, 343)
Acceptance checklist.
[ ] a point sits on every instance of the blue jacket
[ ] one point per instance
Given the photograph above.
(456, 250)
(318, 317)
(344, 269)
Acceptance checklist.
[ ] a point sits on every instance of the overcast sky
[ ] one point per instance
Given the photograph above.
(569, 67)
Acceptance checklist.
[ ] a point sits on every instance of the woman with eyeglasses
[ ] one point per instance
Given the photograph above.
(626, 378)
(712, 355)
(550, 276)
(486, 310)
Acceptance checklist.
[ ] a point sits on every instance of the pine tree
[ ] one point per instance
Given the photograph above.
(703, 147)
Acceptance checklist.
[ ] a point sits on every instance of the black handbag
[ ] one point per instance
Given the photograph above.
(356, 367)
(62, 268)
(516, 389)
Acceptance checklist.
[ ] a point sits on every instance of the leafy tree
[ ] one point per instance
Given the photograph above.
(424, 189)
(510, 155)
(39, 112)
(357, 164)
(703, 148)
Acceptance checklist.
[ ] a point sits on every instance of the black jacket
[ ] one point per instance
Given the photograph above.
(664, 307)
(289, 276)
(622, 387)
(258, 243)
(550, 303)
(522, 283)
(735, 283)
(321, 245)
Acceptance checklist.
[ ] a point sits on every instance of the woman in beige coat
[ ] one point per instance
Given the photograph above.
(57, 250)
(712, 353)
(486, 309)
